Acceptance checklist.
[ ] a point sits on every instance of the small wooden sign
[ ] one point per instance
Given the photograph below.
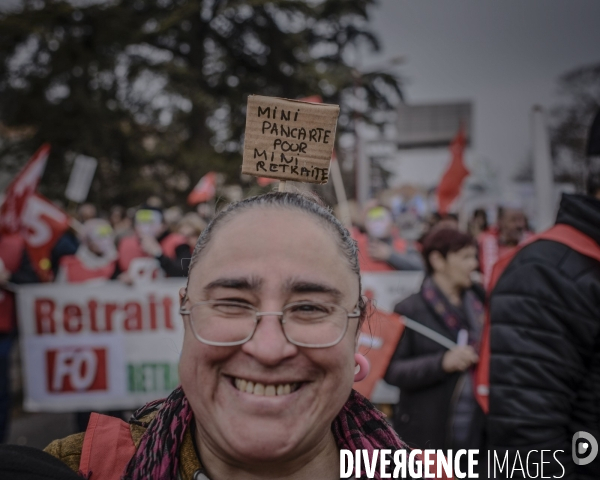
(289, 139)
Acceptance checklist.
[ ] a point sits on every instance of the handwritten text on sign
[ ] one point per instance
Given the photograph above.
(289, 139)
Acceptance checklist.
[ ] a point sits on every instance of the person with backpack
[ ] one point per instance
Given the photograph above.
(544, 343)
(272, 311)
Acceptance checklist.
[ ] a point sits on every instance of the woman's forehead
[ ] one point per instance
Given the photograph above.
(280, 223)
(290, 243)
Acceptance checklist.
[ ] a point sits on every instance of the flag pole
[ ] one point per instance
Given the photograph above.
(340, 193)
(542, 171)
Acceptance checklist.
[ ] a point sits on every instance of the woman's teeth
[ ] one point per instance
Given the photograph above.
(266, 390)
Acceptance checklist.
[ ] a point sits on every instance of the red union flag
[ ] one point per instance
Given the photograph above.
(204, 190)
(451, 183)
(42, 224)
(19, 190)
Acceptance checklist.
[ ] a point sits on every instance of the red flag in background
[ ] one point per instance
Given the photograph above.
(451, 183)
(378, 340)
(312, 99)
(20, 189)
(205, 189)
(42, 224)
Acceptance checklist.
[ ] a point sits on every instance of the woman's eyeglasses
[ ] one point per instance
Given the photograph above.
(305, 324)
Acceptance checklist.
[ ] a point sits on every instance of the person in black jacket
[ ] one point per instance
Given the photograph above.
(437, 407)
(545, 348)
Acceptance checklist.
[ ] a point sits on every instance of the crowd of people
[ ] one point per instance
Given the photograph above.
(101, 246)
(545, 336)
(544, 357)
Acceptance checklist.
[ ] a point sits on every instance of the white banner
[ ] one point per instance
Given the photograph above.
(99, 347)
(390, 288)
(108, 346)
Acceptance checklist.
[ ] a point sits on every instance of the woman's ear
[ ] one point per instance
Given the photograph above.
(437, 261)
(182, 295)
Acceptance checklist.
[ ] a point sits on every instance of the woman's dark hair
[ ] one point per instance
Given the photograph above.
(292, 201)
(445, 241)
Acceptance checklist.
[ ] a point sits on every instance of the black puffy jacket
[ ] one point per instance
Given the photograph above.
(545, 349)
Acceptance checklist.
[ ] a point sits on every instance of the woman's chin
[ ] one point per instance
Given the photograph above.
(263, 446)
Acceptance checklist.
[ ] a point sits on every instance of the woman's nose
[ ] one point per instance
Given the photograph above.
(269, 345)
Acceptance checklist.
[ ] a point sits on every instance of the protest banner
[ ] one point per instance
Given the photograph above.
(81, 178)
(99, 345)
(289, 139)
(103, 345)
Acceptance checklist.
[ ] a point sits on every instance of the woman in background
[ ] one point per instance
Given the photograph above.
(437, 407)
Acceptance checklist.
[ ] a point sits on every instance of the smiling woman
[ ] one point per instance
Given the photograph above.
(272, 311)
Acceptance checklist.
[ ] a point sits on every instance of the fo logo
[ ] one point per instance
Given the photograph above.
(77, 369)
(584, 448)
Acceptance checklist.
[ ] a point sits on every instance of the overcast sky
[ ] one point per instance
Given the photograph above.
(505, 56)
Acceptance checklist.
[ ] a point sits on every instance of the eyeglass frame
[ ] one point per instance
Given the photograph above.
(356, 313)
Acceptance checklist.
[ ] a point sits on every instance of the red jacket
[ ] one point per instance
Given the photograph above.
(76, 271)
(130, 248)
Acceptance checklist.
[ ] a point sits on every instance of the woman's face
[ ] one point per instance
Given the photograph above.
(269, 257)
(459, 266)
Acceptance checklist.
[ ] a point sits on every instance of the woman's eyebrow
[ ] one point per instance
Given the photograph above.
(241, 283)
(312, 287)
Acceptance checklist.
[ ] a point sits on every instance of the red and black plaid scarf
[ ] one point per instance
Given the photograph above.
(358, 426)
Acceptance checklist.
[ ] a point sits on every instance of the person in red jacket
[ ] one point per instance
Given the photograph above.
(95, 260)
(15, 268)
(152, 239)
(381, 249)
(96, 256)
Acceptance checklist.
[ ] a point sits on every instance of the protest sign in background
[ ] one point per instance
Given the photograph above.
(100, 345)
(81, 178)
(103, 345)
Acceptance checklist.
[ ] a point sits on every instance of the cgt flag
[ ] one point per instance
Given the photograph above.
(451, 183)
(20, 189)
(204, 190)
(42, 224)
